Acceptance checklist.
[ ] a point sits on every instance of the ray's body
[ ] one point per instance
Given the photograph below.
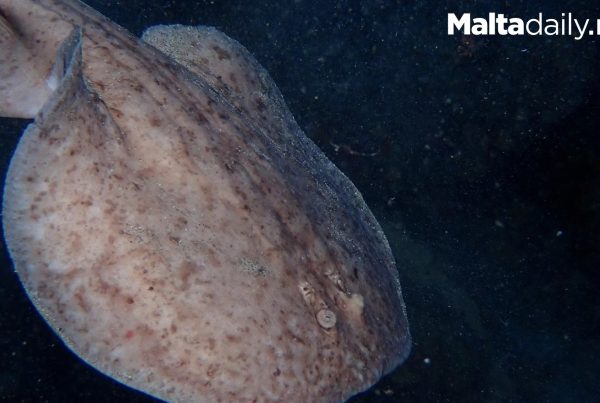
(175, 226)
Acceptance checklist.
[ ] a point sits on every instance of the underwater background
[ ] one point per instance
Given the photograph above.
(479, 156)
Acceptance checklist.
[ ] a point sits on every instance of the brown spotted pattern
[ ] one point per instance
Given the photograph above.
(186, 240)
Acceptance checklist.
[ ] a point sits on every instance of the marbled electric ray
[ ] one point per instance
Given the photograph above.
(174, 225)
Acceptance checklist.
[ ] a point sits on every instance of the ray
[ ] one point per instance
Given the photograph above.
(174, 226)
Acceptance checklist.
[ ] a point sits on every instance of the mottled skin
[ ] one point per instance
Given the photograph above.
(177, 229)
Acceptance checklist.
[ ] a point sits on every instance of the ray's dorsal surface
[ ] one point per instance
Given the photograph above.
(173, 224)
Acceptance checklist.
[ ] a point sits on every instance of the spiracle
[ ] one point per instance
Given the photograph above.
(326, 318)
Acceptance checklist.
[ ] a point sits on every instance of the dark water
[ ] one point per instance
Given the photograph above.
(479, 156)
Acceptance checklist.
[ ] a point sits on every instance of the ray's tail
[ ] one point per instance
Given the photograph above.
(29, 68)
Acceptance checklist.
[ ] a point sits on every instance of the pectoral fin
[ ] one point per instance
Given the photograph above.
(230, 69)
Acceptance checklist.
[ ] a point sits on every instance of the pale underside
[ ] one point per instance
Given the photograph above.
(175, 226)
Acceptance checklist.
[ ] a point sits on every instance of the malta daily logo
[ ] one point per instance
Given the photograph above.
(499, 24)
